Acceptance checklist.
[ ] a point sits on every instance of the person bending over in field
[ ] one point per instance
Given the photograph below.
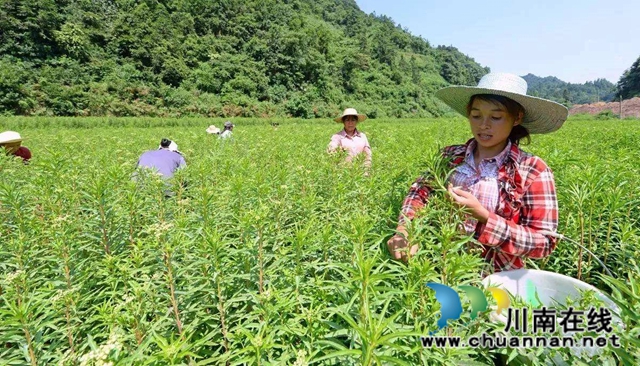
(509, 194)
(164, 161)
(11, 141)
(350, 139)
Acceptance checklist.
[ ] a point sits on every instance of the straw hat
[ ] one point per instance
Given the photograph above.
(351, 112)
(172, 146)
(8, 137)
(213, 129)
(541, 115)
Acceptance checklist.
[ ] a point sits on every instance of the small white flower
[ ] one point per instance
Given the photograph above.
(127, 299)
(257, 341)
(301, 360)
(267, 294)
(13, 276)
(58, 296)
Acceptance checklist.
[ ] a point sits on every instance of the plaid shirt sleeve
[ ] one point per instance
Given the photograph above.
(420, 189)
(539, 212)
(415, 200)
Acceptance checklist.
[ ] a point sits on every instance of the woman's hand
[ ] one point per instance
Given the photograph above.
(467, 200)
(398, 246)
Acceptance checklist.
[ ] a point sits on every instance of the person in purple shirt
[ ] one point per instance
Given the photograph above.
(165, 161)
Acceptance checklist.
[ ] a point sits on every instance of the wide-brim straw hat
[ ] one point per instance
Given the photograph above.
(350, 112)
(172, 147)
(540, 115)
(213, 129)
(8, 137)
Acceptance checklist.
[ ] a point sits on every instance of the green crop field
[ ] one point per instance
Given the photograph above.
(273, 252)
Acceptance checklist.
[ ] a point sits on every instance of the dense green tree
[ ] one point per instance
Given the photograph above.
(304, 58)
(629, 84)
(555, 89)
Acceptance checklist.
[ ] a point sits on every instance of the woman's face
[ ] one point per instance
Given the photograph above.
(350, 123)
(491, 124)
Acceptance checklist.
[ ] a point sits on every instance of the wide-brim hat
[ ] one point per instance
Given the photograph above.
(213, 129)
(350, 112)
(172, 147)
(540, 115)
(8, 137)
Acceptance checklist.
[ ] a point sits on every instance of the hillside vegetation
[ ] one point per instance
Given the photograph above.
(299, 58)
(550, 87)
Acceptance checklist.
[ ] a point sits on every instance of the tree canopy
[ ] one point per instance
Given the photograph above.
(550, 87)
(301, 58)
(629, 84)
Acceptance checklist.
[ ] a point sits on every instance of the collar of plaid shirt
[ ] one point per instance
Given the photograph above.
(510, 185)
(509, 178)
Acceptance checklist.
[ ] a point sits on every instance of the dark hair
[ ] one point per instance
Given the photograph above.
(165, 142)
(513, 108)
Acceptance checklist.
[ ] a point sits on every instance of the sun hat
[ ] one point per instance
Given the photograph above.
(173, 146)
(169, 145)
(541, 115)
(213, 129)
(8, 137)
(350, 112)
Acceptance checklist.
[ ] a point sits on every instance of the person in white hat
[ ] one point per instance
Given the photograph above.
(227, 132)
(165, 160)
(351, 140)
(509, 194)
(11, 141)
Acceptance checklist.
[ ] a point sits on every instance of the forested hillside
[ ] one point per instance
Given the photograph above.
(550, 87)
(301, 58)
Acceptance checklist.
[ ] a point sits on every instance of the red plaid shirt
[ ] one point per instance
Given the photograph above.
(527, 205)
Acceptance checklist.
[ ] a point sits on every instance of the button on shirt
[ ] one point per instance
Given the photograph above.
(354, 145)
(481, 182)
(166, 162)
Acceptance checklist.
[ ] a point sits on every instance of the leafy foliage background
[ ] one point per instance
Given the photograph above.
(249, 58)
(274, 252)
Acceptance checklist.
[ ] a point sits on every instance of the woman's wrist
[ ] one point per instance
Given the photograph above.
(483, 215)
(402, 231)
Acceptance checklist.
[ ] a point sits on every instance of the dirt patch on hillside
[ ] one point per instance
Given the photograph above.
(630, 108)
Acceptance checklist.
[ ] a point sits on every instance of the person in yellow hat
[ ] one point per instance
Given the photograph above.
(11, 141)
(351, 140)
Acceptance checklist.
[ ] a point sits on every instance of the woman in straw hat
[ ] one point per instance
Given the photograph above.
(12, 141)
(509, 194)
(213, 130)
(350, 139)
